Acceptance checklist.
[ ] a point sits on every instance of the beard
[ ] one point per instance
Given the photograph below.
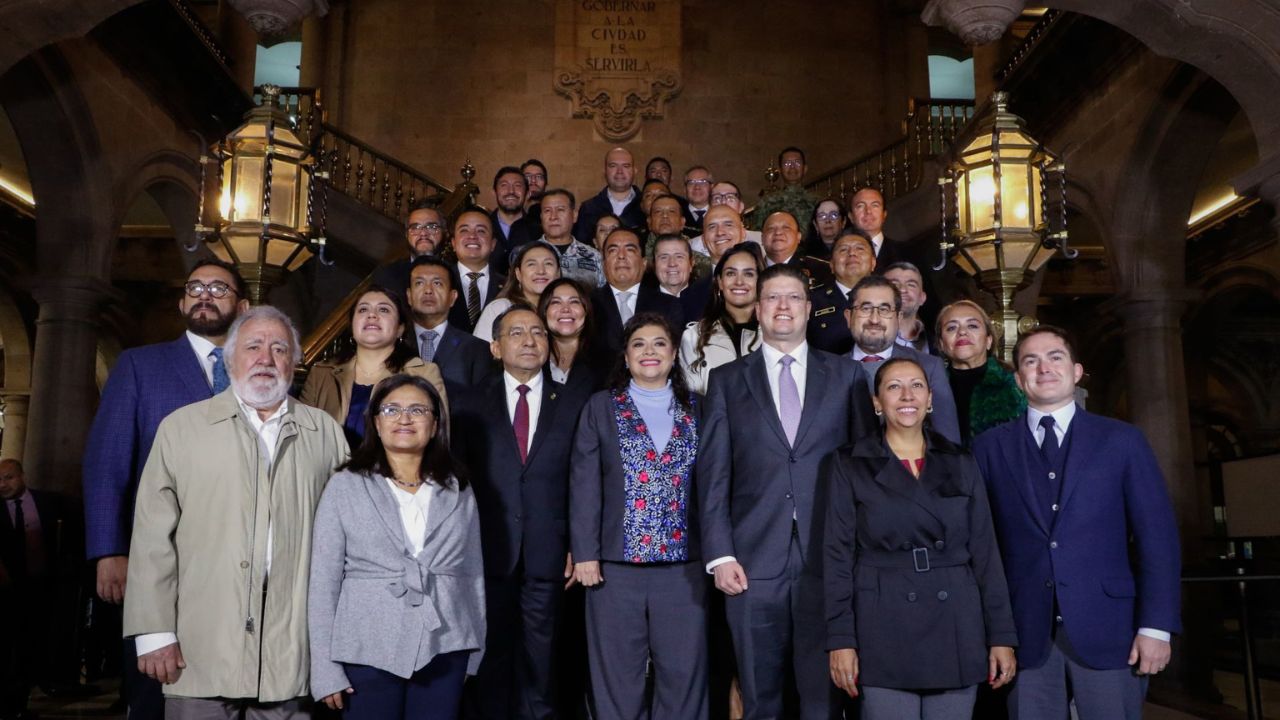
(261, 393)
(214, 324)
(872, 344)
(510, 205)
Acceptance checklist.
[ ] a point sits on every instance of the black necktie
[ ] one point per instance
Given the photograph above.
(19, 540)
(1049, 446)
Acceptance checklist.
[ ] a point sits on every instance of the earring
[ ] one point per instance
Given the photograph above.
(929, 409)
(878, 413)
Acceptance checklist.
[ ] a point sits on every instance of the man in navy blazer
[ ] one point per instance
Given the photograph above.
(758, 479)
(146, 384)
(463, 359)
(619, 196)
(873, 321)
(515, 434)
(1089, 542)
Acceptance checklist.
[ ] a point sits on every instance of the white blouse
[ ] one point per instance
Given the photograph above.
(413, 512)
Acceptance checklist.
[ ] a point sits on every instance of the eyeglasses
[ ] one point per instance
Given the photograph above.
(415, 412)
(721, 198)
(217, 289)
(535, 177)
(833, 215)
(697, 181)
(536, 333)
(425, 227)
(865, 310)
(792, 163)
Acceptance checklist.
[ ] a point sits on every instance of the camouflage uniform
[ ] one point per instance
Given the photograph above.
(792, 198)
(580, 262)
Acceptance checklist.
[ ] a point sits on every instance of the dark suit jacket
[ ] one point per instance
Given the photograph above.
(599, 206)
(750, 481)
(1109, 556)
(458, 311)
(504, 244)
(598, 493)
(881, 525)
(693, 301)
(524, 508)
(819, 271)
(828, 330)
(463, 358)
(944, 419)
(61, 530)
(609, 321)
(146, 384)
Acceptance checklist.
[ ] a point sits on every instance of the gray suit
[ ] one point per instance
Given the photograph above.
(371, 603)
(944, 419)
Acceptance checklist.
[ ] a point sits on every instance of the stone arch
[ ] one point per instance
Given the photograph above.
(32, 24)
(15, 384)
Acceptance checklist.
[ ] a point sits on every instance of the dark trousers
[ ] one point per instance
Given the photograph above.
(517, 675)
(145, 698)
(435, 691)
(642, 613)
(779, 638)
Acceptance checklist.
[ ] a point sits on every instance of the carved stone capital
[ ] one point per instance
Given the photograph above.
(273, 18)
(975, 22)
(617, 114)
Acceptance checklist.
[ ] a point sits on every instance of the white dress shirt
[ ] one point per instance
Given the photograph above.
(620, 205)
(413, 512)
(203, 348)
(439, 331)
(483, 280)
(1061, 423)
(631, 301)
(533, 398)
(877, 241)
(268, 439)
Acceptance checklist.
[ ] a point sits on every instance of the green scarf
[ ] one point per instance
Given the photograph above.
(996, 399)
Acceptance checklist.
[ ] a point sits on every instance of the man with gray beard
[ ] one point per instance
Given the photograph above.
(217, 600)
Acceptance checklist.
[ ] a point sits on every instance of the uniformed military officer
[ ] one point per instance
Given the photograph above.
(852, 258)
(792, 198)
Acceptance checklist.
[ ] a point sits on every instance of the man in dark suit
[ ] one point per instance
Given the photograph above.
(780, 236)
(463, 359)
(770, 419)
(515, 434)
(872, 318)
(424, 231)
(623, 295)
(852, 258)
(510, 227)
(146, 384)
(40, 561)
(535, 178)
(477, 270)
(1089, 543)
(619, 196)
(697, 189)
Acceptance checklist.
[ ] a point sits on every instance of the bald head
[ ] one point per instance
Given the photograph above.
(619, 170)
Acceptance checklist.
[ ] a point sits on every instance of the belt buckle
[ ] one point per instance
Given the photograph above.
(920, 557)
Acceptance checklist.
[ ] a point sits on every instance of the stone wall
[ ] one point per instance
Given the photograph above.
(434, 82)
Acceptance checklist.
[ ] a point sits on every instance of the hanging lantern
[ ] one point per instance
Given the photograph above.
(262, 205)
(1000, 190)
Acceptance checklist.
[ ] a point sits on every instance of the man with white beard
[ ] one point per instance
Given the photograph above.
(217, 600)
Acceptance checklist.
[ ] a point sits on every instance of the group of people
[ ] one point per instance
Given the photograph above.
(700, 425)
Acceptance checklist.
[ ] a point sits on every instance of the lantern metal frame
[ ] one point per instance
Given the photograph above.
(260, 167)
(999, 223)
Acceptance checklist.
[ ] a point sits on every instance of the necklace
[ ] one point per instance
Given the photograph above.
(403, 484)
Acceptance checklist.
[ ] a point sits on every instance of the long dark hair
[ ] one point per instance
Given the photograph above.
(621, 377)
(715, 312)
(588, 318)
(405, 348)
(512, 290)
(437, 464)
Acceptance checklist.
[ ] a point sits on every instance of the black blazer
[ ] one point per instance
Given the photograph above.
(463, 358)
(61, 530)
(751, 482)
(609, 323)
(524, 509)
(458, 311)
(898, 549)
(597, 207)
(597, 491)
(504, 244)
(828, 329)
(818, 271)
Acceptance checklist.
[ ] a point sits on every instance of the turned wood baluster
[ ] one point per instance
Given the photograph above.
(359, 172)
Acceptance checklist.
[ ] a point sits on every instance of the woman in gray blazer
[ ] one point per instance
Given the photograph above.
(396, 607)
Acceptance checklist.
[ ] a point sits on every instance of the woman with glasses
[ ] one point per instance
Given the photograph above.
(917, 606)
(396, 604)
(565, 308)
(634, 544)
(728, 329)
(378, 348)
(533, 268)
(985, 391)
(824, 227)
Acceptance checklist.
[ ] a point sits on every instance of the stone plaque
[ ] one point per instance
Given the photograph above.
(618, 61)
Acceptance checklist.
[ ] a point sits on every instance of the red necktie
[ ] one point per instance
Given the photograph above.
(522, 422)
(871, 358)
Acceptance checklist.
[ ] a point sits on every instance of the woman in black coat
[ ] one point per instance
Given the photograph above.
(917, 606)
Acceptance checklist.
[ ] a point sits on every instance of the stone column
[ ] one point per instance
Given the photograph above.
(312, 70)
(986, 63)
(15, 422)
(64, 395)
(1158, 404)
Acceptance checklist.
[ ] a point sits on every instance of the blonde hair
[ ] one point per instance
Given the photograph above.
(986, 321)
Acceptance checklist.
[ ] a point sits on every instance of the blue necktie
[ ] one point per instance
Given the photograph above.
(221, 380)
(1049, 446)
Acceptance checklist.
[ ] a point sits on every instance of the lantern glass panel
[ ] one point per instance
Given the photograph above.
(246, 245)
(1015, 203)
(284, 193)
(1018, 249)
(979, 201)
(1042, 256)
(280, 251)
(983, 256)
(962, 260)
(242, 195)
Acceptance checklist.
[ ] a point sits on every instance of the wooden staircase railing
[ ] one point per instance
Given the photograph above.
(928, 130)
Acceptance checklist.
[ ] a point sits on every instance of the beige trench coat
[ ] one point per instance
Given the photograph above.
(198, 560)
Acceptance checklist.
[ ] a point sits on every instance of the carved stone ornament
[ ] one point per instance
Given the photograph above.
(975, 22)
(618, 61)
(272, 19)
